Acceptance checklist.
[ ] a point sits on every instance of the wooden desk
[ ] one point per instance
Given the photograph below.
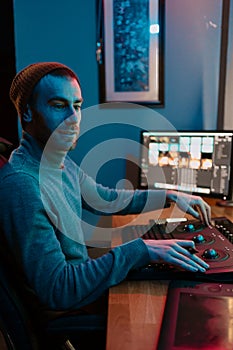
(136, 307)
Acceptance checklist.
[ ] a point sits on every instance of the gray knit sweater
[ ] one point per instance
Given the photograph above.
(40, 214)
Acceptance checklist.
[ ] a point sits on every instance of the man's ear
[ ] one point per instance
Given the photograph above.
(27, 116)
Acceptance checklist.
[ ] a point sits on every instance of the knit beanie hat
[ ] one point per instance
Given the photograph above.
(24, 82)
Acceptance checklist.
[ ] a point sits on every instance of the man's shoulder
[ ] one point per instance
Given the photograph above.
(10, 173)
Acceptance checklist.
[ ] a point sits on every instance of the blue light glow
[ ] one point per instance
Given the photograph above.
(154, 28)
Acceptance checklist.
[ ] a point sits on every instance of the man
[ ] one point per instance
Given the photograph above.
(41, 183)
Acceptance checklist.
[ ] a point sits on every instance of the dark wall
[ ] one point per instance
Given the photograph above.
(8, 115)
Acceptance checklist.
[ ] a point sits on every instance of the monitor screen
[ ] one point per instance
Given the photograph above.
(197, 162)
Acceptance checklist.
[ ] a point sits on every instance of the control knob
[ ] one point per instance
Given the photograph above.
(198, 239)
(210, 254)
(189, 228)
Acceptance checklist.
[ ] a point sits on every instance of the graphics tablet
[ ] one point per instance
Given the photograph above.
(197, 316)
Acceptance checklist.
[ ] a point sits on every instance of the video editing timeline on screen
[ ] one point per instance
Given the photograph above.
(214, 245)
(197, 162)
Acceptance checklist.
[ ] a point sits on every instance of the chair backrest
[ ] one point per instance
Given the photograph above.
(5, 149)
(3, 160)
(5, 340)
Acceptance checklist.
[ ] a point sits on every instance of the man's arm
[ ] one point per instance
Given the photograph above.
(32, 240)
(120, 202)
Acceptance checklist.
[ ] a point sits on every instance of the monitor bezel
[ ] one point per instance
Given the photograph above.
(177, 132)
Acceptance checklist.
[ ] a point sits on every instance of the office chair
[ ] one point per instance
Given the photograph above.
(21, 330)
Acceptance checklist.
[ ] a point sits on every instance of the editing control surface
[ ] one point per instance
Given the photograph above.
(214, 245)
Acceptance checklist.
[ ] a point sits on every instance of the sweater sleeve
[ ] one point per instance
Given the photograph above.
(106, 201)
(59, 284)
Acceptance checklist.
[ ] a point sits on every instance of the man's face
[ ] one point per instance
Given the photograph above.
(56, 109)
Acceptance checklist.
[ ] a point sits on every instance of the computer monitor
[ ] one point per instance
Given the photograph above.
(197, 162)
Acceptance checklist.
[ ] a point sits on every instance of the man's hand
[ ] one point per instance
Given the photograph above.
(175, 252)
(188, 202)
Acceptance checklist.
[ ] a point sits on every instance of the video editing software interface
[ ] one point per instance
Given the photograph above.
(197, 162)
